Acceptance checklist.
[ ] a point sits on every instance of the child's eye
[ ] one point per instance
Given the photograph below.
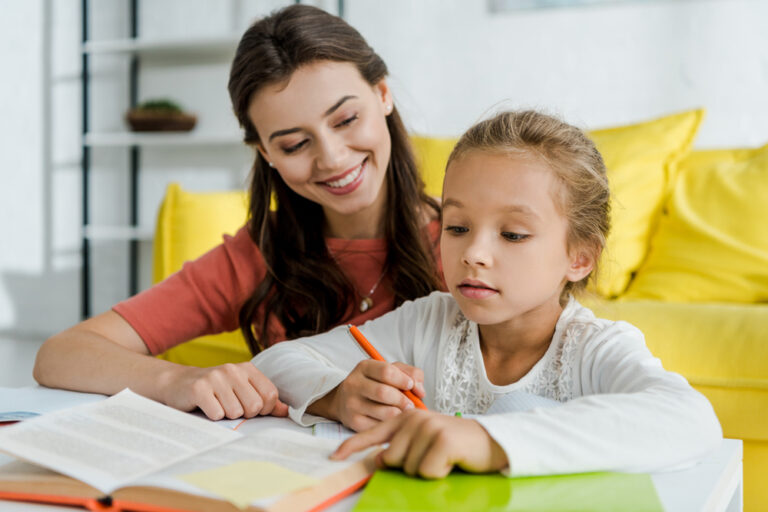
(347, 121)
(456, 230)
(295, 147)
(513, 237)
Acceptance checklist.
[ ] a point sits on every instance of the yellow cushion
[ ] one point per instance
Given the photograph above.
(712, 243)
(642, 160)
(188, 225)
(711, 344)
(191, 223)
(431, 157)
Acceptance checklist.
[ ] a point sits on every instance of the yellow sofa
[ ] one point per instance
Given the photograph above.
(686, 262)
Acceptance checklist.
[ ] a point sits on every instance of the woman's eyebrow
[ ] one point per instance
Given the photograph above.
(338, 104)
(328, 112)
(279, 133)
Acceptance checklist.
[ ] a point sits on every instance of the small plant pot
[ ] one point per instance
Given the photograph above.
(158, 121)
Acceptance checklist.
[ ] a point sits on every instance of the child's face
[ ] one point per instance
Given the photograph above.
(504, 240)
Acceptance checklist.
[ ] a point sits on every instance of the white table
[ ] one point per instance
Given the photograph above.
(713, 485)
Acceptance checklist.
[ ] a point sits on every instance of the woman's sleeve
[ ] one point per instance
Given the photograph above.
(633, 416)
(306, 369)
(204, 297)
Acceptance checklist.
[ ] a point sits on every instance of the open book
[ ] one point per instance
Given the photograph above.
(131, 453)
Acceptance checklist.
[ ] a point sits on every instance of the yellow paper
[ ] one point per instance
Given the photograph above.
(244, 482)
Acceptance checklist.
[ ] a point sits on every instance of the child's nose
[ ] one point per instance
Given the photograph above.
(476, 253)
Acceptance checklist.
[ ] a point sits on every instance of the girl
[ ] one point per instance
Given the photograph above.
(525, 215)
(352, 237)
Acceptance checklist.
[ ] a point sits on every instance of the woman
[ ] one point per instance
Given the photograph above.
(353, 234)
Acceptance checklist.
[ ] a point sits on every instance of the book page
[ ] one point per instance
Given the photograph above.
(261, 423)
(110, 443)
(334, 430)
(288, 448)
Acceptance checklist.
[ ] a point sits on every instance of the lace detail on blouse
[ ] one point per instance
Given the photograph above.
(458, 387)
(555, 378)
(458, 384)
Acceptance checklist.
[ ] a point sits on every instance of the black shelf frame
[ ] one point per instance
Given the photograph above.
(86, 304)
(85, 274)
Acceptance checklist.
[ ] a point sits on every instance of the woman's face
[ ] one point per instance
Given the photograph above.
(325, 133)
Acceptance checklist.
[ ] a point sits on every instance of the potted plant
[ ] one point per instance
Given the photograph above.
(159, 115)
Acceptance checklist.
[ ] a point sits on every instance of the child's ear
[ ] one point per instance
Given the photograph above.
(582, 263)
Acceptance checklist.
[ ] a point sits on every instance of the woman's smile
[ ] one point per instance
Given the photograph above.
(348, 181)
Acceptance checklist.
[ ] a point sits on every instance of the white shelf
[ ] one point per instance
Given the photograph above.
(121, 139)
(96, 232)
(159, 47)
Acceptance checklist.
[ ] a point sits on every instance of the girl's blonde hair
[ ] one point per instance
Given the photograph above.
(584, 195)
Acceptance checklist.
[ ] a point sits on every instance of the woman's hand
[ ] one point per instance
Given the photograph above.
(371, 393)
(226, 391)
(430, 444)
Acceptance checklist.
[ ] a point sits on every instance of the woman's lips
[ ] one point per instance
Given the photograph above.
(347, 182)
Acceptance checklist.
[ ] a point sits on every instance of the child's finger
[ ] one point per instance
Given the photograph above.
(419, 444)
(388, 374)
(379, 412)
(409, 442)
(414, 373)
(381, 433)
(436, 462)
(385, 394)
(361, 422)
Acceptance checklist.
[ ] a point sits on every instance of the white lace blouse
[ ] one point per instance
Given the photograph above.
(621, 411)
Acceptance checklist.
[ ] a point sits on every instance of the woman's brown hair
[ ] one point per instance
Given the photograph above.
(304, 287)
(584, 195)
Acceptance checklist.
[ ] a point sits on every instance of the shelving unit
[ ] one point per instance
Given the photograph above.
(134, 48)
(160, 47)
(128, 139)
(95, 232)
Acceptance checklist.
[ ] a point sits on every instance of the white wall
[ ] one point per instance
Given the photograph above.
(22, 157)
(450, 61)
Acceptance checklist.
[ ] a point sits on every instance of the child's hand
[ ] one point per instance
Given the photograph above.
(429, 444)
(229, 390)
(371, 393)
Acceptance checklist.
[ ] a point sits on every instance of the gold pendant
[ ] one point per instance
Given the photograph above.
(366, 304)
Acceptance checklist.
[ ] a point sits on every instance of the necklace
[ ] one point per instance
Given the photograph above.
(367, 301)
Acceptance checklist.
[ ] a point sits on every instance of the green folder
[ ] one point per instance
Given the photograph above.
(391, 490)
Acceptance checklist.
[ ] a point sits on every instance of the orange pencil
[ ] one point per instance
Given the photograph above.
(366, 345)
